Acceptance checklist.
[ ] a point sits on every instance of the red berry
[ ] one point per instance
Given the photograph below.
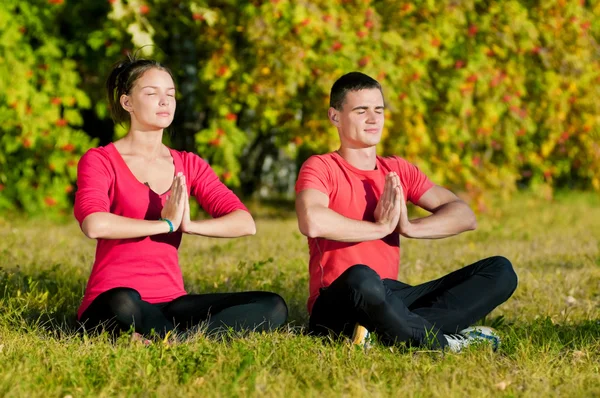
(144, 9)
(68, 147)
(50, 201)
(473, 29)
(222, 70)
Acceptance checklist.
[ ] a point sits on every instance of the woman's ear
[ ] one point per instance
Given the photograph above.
(125, 101)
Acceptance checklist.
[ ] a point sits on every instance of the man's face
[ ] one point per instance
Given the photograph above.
(360, 121)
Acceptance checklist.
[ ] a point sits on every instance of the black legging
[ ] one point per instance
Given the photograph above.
(122, 308)
(419, 315)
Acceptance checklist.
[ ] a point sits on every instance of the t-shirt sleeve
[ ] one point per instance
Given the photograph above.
(214, 196)
(314, 174)
(414, 181)
(94, 178)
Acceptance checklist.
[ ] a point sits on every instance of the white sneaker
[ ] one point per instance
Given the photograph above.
(470, 335)
(361, 336)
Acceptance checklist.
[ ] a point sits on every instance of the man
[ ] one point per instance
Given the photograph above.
(351, 204)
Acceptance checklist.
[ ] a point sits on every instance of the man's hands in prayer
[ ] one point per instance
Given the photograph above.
(390, 207)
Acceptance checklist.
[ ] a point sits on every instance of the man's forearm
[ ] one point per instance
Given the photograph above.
(448, 220)
(320, 222)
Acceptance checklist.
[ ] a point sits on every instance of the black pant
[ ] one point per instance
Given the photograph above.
(419, 315)
(121, 309)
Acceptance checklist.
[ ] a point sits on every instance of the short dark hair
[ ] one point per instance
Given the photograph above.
(121, 80)
(353, 81)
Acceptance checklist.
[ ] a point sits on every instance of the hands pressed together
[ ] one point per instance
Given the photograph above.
(391, 212)
(177, 207)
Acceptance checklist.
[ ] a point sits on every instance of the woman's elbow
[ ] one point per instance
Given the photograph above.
(92, 228)
(248, 225)
(251, 229)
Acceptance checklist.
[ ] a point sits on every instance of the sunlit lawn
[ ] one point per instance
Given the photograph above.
(550, 329)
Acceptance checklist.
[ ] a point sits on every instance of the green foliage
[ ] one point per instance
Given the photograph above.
(40, 100)
(482, 95)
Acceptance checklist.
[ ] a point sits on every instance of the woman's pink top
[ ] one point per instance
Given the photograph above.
(149, 265)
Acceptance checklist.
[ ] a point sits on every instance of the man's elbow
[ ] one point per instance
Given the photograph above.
(308, 227)
(472, 226)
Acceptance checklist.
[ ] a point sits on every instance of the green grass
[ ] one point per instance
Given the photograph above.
(551, 329)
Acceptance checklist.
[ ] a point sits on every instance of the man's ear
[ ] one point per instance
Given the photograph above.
(126, 103)
(334, 116)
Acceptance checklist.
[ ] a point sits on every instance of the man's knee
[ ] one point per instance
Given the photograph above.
(506, 276)
(365, 283)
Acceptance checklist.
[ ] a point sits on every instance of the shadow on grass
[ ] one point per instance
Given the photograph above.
(49, 299)
(45, 300)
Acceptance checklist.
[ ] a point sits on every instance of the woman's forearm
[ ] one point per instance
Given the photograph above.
(235, 224)
(103, 225)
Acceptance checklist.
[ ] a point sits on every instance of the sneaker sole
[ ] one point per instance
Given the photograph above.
(359, 335)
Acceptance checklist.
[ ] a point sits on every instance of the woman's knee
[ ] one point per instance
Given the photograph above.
(122, 301)
(275, 309)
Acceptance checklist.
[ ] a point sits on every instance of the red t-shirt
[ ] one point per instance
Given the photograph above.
(354, 193)
(149, 265)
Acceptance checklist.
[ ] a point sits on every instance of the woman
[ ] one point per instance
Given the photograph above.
(133, 197)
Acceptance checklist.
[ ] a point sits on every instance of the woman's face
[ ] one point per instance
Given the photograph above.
(151, 102)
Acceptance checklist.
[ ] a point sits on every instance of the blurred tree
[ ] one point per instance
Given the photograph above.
(482, 95)
(40, 103)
